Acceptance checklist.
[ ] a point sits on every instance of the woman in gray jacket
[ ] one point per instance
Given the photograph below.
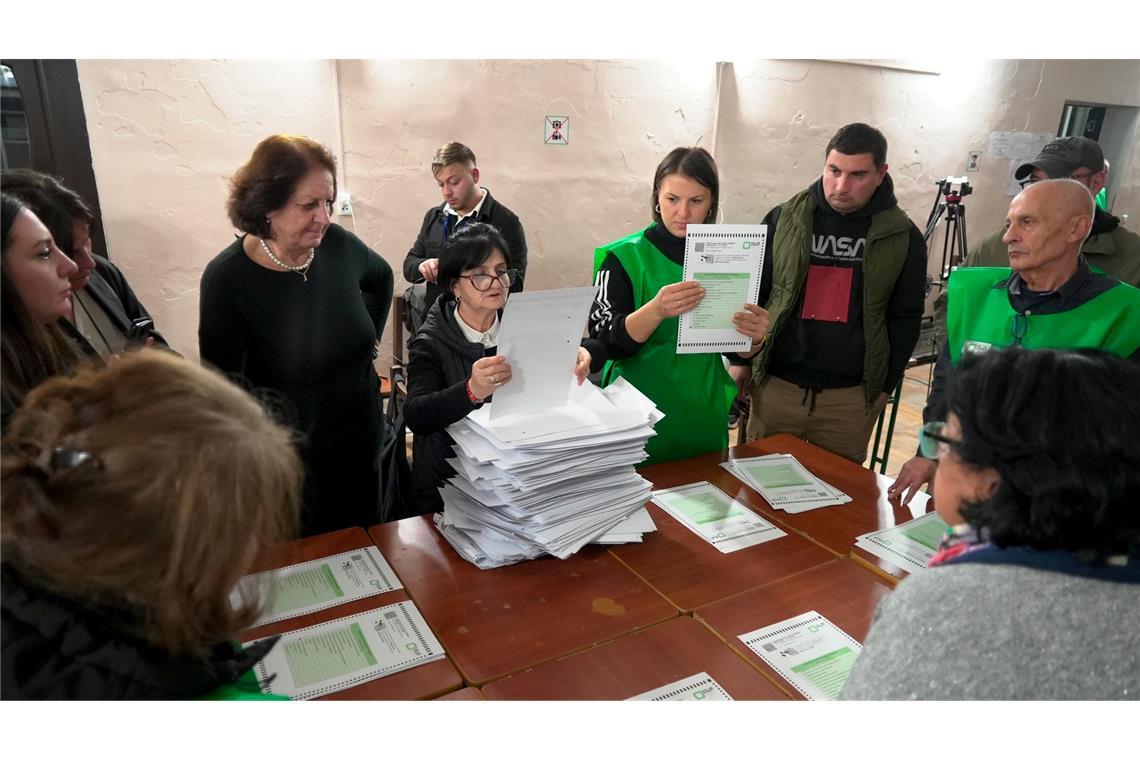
(1033, 592)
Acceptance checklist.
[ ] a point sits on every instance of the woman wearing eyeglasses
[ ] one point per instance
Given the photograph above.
(452, 367)
(1033, 593)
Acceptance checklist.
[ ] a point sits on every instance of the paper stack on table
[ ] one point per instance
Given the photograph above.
(549, 482)
(785, 483)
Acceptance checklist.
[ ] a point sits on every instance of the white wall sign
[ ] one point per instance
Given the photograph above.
(557, 130)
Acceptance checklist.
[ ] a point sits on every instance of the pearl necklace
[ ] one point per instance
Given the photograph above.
(302, 269)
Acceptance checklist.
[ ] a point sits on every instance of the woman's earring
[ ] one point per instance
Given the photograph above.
(657, 208)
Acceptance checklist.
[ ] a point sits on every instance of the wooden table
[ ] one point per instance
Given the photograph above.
(638, 663)
(421, 682)
(496, 622)
(468, 694)
(834, 527)
(842, 591)
(689, 571)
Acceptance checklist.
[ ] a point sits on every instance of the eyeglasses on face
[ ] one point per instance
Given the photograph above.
(933, 442)
(1082, 177)
(482, 282)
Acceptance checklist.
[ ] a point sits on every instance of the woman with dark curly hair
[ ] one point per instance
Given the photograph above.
(1033, 593)
(296, 305)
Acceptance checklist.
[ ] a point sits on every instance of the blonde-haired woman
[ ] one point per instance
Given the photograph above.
(134, 498)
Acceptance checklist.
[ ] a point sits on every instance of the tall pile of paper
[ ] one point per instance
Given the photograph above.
(549, 482)
(785, 483)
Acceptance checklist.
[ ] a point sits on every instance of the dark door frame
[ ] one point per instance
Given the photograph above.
(57, 129)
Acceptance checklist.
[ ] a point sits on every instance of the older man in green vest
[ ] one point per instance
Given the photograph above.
(1048, 297)
(844, 288)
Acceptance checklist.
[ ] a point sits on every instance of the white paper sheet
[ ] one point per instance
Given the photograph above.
(318, 584)
(909, 545)
(720, 520)
(696, 688)
(727, 260)
(812, 654)
(321, 659)
(540, 336)
(785, 483)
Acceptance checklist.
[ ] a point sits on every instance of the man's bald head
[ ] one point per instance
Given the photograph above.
(1046, 224)
(1063, 199)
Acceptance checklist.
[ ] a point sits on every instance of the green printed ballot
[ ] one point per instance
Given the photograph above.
(725, 294)
(828, 672)
(337, 652)
(704, 507)
(312, 585)
(926, 532)
(776, 476)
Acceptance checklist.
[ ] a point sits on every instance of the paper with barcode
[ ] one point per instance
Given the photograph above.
(713, 515)
(699, 688)
(809, 651)
(318, 584)
(726, 259)
(337, 655)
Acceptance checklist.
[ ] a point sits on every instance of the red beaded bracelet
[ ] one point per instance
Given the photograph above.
(470, 394)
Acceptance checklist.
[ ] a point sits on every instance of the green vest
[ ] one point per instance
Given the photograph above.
(694, 391)
(888, 242)
(979, 314)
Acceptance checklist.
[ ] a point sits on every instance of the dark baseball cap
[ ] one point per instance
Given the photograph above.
(1064, 156)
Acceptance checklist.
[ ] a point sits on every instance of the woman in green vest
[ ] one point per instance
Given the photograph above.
(134, 499)
(640, 298)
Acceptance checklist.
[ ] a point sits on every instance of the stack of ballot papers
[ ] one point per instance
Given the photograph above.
(785, 483)
(549, 481)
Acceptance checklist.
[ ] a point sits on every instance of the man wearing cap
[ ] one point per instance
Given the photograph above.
(1109, 247)
(1048, 297)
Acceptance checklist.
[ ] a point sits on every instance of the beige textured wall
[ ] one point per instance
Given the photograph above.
(165, 136)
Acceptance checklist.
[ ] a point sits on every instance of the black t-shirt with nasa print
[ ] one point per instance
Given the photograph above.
(821, 343)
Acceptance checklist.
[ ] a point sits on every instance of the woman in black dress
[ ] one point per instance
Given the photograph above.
(296, 306)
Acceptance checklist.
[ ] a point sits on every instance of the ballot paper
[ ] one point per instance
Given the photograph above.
(540, 335)
(809, 651)
(549, 481)
(698, 688)
(318, 584)
(910, 545)
(720, 520)
(726, 259)
(785, 483)
(321, 659)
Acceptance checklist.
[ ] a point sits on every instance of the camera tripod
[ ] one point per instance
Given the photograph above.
(948, 202)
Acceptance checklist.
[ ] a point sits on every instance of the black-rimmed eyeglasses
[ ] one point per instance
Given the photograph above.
(482, 282)
(933, 441)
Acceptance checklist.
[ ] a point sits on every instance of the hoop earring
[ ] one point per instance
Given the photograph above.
(657, 208)
(709, 215)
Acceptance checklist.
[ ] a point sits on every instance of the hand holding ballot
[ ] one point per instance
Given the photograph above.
(753, 322)
(582, 365)
(488, 374)
(677, 298)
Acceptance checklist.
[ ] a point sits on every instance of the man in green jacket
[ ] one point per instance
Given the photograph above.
(1109, 247)
(844, 286)
(1048, 297)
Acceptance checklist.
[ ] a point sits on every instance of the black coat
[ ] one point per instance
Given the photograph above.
(431, 239)
(439, 364)
(55, 648)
